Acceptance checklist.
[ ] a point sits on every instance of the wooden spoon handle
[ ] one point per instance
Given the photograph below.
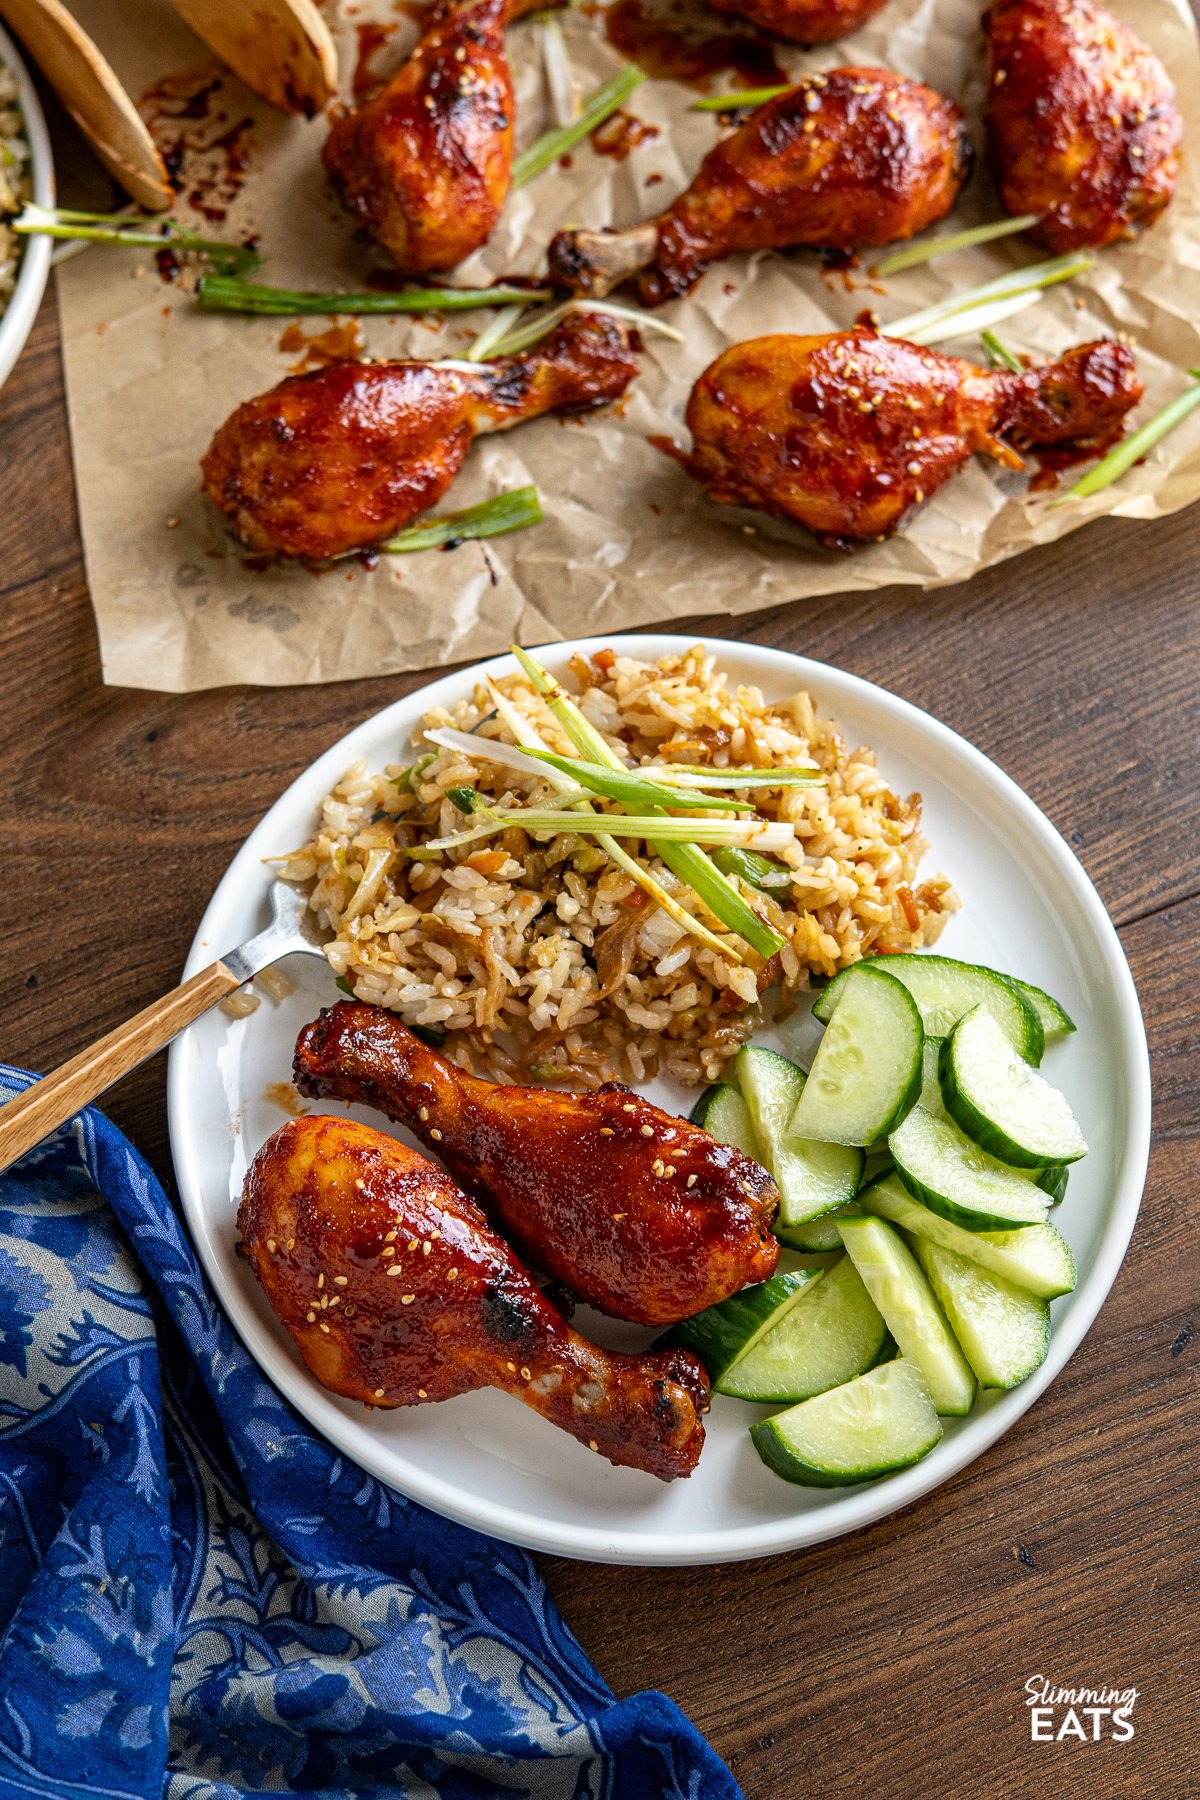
(89, 89)
(49, 1103)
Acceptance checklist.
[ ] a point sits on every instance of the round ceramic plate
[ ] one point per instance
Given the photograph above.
(486, 1459)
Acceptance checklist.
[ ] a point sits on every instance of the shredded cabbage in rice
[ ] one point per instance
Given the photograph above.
(536, 957)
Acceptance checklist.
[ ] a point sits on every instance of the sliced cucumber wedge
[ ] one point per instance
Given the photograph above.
(722, 1335)
(931, 1081)
(722, 1112)
(944, 1170)
(1004, 1330)
(893, 1278)
(1053, 1182)
(1036, 1258)
(833, 1332)
(944, 990)
(1000, 1102)
(819, 1236)
(880, 1421)
(1056, 1020)
(867, 1070)
(812, 1178)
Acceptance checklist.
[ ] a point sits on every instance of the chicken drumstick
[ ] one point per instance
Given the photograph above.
(1082, 126)
(854, 158)
(425, 166)
(340, 459)
(642, 1215)
(803, 21)
(396, 1292)
(846, 432)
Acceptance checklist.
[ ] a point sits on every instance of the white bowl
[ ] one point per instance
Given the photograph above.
(16, 321)
(485, 1459)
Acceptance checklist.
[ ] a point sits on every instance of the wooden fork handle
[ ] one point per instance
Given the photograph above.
(29, 1117)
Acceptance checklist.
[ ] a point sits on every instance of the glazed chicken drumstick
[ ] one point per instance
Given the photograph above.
(340, 459)
(1082, 126)
(842, 161)
(845, 432)
(396, 1292)
(642, 1215)
(803, 21)
(425, 166)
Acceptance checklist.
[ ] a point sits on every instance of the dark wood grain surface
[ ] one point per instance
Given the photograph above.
(891, 1662)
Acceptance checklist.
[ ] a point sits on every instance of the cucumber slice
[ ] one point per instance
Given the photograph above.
(833, 1332)
(931, 1084)
(812, 1178)
(723, 1113)
(944, 990)
(1004, 1330)
(1053, 1181)
(1000, 1102)
(819, 1235)
(880, 1421)
(867, 1070)
(1055, 1019)
(892, 1276)
(721, 1335)
(941, 1167)
(1036, 1258)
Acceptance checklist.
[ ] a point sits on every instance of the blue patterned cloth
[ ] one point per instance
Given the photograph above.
(199, 1598)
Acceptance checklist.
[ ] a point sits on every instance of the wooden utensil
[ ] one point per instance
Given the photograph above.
(88, 88)
(280, 48)
(42, 1108)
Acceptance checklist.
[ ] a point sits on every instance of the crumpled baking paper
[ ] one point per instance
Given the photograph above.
(628, 539)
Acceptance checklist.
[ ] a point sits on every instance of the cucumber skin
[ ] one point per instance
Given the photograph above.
(719, 1336)
(808, 1235)
(1053, 1181)
(1056, 1020)
(983, 1241)
(1034, 1045)
(782, 1461)
(977, 1125)
(791, 1396)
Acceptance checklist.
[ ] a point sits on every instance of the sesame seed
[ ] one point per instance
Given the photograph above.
(423, 1115)
(670, 1170)
(341, 1280)
(657, 1165)
(379, 1393)
(322, 1326)
(394, 1270)
(335, 1300)
(691, 1181)
(999, 78)
(412, 1243)
(526, 1374)
(435, 1233)
(272, 1246)
(291, 1243)
(592, 1444)
(511, 1367)
(607, 1131)
(421, 1394)
(360, 1184)
(407, 1299)
(629, 1107)
(388, 1250)
(426, 1248)
(320, 1281)
(435, 1134)
(311, 1317)
(647, 1131)
(389, 1237)
(619, 1216)
(914, 468)
(451, 1274)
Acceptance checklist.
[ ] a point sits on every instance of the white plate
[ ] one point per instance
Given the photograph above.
(16, 320)
(484, 1458)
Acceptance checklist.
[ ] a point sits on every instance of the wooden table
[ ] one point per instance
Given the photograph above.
(893, 1662)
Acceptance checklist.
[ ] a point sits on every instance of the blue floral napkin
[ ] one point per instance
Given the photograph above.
(199, 1598)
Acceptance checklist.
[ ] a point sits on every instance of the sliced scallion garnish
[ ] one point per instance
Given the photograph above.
(999, 355)
(980, 307)
(660, 828)
(748, 866)
(1110, 468)
(685, 860)
(630, 787)
(955, 240)
(152, 231)
(523, 337)
(493, 333)
(560, 79)
(490, 518)
(553, 144)
(739, 100)
(223, 293)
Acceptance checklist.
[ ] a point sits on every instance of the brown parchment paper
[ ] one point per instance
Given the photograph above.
(628, 539)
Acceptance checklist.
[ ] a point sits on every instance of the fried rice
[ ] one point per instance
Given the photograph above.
(536, 958)
(14, 181)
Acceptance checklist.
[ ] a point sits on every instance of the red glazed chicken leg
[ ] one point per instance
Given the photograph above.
(340, 459)
(396, 1292)
(641, 1214)
(846, 432)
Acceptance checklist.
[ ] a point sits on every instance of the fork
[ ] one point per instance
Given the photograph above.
(49, 1103)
